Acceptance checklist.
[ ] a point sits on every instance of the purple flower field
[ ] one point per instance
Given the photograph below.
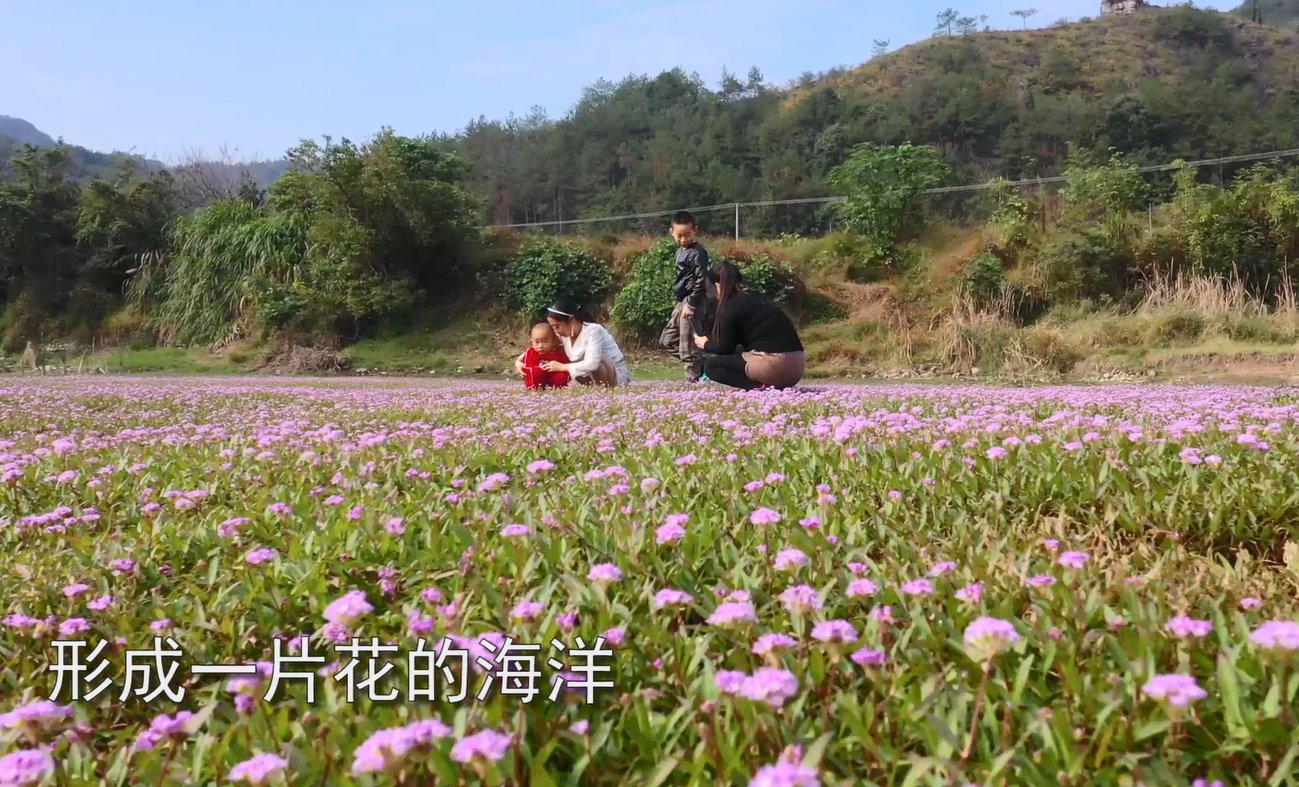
(358, 582)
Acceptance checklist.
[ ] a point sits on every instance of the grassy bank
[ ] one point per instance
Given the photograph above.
(855, 324)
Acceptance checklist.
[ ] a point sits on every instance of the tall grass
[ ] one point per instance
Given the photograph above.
(203, 292)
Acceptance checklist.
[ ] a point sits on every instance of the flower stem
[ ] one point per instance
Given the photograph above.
(166, 763)
(978, 708)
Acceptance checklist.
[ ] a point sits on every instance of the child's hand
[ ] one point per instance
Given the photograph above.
(701, 341)
(554, 366)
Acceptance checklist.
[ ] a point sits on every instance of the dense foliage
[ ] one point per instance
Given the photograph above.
(1167, 83)
(546, 269)
(886, 586)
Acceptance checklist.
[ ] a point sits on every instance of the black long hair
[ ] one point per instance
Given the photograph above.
(728, 275)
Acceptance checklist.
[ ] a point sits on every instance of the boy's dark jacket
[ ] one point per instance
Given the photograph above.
(691, 285)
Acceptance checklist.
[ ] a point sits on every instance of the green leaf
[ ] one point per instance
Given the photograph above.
(661, 773)
(1229, 693)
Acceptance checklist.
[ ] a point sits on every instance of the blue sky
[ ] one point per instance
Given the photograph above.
(166, 77)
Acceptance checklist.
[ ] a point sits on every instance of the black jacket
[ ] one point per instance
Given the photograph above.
(750, 320)
(691, 283)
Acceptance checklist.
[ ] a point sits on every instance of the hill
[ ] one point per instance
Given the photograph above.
(1284, 13)
(88, 164)
(1157, 85)
(21, 131)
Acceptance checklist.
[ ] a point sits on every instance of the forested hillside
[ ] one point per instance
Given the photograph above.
(1157, 85)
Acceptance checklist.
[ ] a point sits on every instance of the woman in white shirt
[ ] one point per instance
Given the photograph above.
(593, 355)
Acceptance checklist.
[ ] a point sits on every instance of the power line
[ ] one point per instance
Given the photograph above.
(992, 184)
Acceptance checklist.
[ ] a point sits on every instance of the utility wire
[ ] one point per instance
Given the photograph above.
(1270, 155)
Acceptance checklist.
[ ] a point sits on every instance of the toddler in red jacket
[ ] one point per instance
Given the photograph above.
(545, 347)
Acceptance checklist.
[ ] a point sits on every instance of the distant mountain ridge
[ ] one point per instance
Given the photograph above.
(89, 164)
(21, 131)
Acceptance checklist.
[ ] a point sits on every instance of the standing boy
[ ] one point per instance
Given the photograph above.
(691, 296)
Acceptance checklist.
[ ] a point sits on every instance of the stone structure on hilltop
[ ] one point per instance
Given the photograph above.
(1121, 6)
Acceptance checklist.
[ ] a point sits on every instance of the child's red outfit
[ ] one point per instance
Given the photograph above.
(536, 377)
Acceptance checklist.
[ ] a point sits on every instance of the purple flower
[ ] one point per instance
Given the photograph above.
(516, 531)
(488, 745)
(493, 481)
(770, 685)
(669, 533)
(800, 598)
(100, 604)
(579, 727)
(769, 643)
(668, 597)
(996, 452)
(764, 516)
(789, 559)
(395, 526)
(868, 657)
(945, 567)
(346, 609)
(258, 768)
(989, 636)
(1073, 559)
(388, 748)
(1177, 690)
(1182, 626)
(73, 626)
(861, 587)
(262, 555)
(163, 728)
(1250, 603)
(1276, 635)
(1041, 580)
(527, 610)
(25, 766)
(72, 591)
(34, 717)
(834, 631)
(971, 594)
(614, 636)
(785, 774)
(604, 573)
(729, 681)
(731, 613)
(540, 466)
(918, 587)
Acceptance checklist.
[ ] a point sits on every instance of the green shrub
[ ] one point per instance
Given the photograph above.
(1176, 328)
(770, 277)
(1083, 264)
(644, 303)
(982, 280)
(1053, 349)
(546, 269)
(1254, 328)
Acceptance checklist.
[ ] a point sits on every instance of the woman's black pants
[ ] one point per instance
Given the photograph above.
(729, 370)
